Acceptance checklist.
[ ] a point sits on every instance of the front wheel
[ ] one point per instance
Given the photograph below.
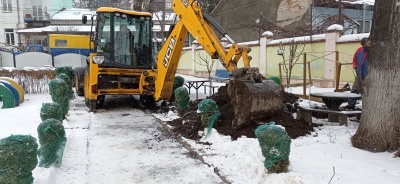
(79, 74)
(87, 102)
(100, 101)
(147, 101)
(95, 104)
(92, 105)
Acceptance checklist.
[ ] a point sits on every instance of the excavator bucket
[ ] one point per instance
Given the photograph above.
(251, 96)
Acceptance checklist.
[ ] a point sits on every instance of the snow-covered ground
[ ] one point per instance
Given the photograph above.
(125, 145)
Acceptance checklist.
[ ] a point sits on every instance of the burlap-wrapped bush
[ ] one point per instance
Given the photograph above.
(18, 157)
(52, 143)
(51, 110)
(66, 79)
(60, 94)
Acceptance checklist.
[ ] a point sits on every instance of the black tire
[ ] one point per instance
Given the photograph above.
(87, 102)
(79, 74)
(92, 105)
(147, 101)
(95, 104)
(100, 101)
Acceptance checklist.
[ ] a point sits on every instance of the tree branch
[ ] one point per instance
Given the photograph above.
(332, 175)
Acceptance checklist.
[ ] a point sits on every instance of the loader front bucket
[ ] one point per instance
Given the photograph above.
(252, 97)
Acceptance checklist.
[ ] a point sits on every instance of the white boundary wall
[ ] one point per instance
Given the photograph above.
(39, 59)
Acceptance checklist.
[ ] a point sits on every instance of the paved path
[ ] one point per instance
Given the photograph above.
(122, 145)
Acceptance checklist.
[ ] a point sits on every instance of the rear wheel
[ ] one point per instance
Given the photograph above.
(79, 74)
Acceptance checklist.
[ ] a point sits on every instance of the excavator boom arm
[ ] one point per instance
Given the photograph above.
(201, 27)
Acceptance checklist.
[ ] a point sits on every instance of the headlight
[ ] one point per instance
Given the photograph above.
(98, 59)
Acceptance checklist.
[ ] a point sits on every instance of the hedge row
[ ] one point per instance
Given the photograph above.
(31, 80)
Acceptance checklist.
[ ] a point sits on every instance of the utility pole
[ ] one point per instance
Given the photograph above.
(363, 18)
(311, 20)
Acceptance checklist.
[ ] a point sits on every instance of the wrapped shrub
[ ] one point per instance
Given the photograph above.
(67, 70)
(59, 94)
(51, 110)
(209, 113)
(66, 79)
(275, 147)
(182, 98)
(18, 157)
(52, 143)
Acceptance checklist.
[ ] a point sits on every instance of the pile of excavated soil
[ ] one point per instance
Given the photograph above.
(190, 124)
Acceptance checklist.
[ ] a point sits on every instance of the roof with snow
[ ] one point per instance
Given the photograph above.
(352, 38)
(335, 27)
(72, 14)
(300, 39)
(347, 4)
(368, 2)
(70, 28)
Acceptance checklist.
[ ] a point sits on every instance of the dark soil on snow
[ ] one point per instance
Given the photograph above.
(190, 124)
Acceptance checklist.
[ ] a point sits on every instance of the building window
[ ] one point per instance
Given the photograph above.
(7, 5)
(9, 33)
(37, 12)
(367, 27)
(188, 41)
(61, 43)
(40, 39)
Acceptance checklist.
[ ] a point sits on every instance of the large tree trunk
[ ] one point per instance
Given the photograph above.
(379, 128)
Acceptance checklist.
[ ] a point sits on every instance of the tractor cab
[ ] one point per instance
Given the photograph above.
(123, 38)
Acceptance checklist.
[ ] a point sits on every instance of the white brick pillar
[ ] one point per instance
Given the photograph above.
(332, 35)
(265, 38)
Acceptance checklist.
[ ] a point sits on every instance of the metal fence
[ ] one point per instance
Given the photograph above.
(39, 59)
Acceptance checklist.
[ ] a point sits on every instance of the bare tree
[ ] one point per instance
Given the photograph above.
(209, 5)
(379, 128)
(321, 21)
(143, 5)
(290, 59)
(205, 60)
(138, 5)
(92, 4)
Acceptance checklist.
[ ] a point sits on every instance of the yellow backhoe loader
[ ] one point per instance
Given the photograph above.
(121, 62)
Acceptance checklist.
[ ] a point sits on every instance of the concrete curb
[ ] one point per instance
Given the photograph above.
(192, 150)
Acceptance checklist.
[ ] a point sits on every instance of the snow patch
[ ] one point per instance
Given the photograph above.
(268, 34)
(334, 27)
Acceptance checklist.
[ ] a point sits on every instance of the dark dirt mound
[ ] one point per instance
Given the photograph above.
(190, 123)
